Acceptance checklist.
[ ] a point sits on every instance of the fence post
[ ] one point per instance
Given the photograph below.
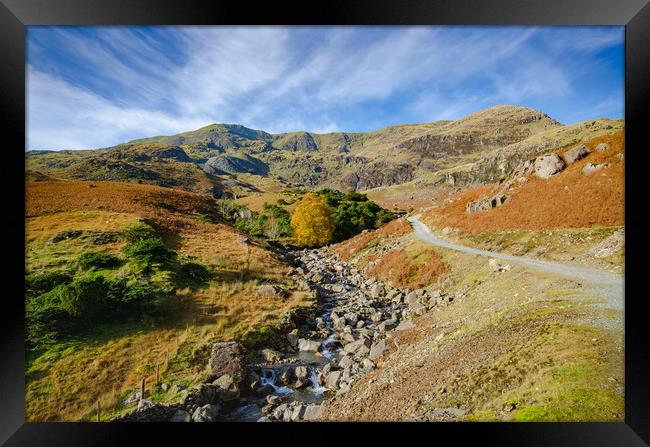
(157, 373)
(142, 389)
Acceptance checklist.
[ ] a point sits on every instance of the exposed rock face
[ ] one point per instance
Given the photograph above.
(576, 153)
(377, 174)
(300, 142)
(486, 204)
(548, 165)
(227, 358)
(229, 164)
(175, 153)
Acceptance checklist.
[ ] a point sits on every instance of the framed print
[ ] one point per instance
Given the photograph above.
(369, 216)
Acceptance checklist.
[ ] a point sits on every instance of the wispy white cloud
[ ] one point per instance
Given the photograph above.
(117, 84)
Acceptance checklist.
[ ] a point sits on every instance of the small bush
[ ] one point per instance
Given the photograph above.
(147, 252)
(39, 283)
(195, 272)
(138, 232)
(90, 260)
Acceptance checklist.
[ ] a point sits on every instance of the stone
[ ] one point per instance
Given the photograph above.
(227, 358)
(548, 165)
(301, 372)
(311, 413)
(308, 345)
(143, 404)
(228, 388)
(271, 290)
(377, 290)
(602, 147)
(346, 361)
(271, 356)
(206, 413)
(576, 153)
(338, 288)
(297, 413)
(405, 326)
(591, 168)
(181, 416)
(292, 338)
(203, 394)
(356, 346)
(411, 298)
(332, 380)
(417, 308)
(377, 350)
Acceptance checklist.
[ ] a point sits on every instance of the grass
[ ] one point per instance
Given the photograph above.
(106, 363)
(567, 200)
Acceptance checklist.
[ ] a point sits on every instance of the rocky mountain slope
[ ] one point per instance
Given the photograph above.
(480, 147)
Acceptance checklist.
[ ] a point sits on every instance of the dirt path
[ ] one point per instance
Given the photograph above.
(606, 285)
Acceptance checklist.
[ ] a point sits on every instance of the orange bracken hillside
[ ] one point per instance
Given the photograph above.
(569, 199)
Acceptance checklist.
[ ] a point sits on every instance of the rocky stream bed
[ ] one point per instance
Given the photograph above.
(324, 350)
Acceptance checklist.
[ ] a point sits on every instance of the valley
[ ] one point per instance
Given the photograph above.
(466, 270)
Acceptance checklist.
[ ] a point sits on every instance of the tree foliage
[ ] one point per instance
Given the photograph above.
(313, 222)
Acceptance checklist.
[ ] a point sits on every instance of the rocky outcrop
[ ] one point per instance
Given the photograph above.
(486, 204)
(229, 164)
(377, 174)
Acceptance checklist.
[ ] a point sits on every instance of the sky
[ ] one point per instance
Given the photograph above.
(91, 87)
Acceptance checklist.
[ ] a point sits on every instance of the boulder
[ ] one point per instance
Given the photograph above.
(203, 394)
(181, 416)
(602, 147)
(308, 345)
(206, 413)
(228, 388)
(548, 165)
(411, 298)
(575, 153)
(272, 290)
(271, 356)
(292, 338)
(227, 358)
(377, 290)
(311, 413)
(301, 372)
(377, 350)
(332, 380)
(297, 413)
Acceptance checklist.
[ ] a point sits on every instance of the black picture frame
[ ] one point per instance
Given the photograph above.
(15, 15)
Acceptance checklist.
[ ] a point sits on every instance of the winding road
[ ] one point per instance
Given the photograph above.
(608, 285)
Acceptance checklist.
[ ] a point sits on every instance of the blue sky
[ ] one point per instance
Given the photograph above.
(90, 87)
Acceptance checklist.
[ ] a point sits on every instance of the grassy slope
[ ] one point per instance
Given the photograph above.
(64, 382)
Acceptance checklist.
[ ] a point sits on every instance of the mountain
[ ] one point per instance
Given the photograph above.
(222, 159)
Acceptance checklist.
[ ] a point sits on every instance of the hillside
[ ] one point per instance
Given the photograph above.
(214, 159)
(65, 219)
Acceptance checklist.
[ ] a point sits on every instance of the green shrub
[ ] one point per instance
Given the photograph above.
(139, 231)
(85, 296)
(195, 272)
(90, 260)
(147, 252)
(38, 283)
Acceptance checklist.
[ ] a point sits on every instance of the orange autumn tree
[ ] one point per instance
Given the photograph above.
(313, 222)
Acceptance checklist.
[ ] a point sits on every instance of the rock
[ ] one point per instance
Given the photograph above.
(590, 168)
(181, 416)
(308, 345)
(228, 388)
(602, 147)
(332, 380)
(576, 153)
(411, 298)
(417, 308)
(312, 412)
(377, 350)
(338, 288)
(405, 326)
(203, 394)
(206, 413)
(346, 361)
(356, 346)
(620, 156)
(271, 356)
(548, 165)
(301, 382)
(297, 413)
(227, 358)
(143, 404)
(449, 412)
(272, 290)
(367, 364)
(360, 324)
(292, 338)
(264, 390)
(63, 235)
(301, 372)
(377, 290)
(286, 376)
